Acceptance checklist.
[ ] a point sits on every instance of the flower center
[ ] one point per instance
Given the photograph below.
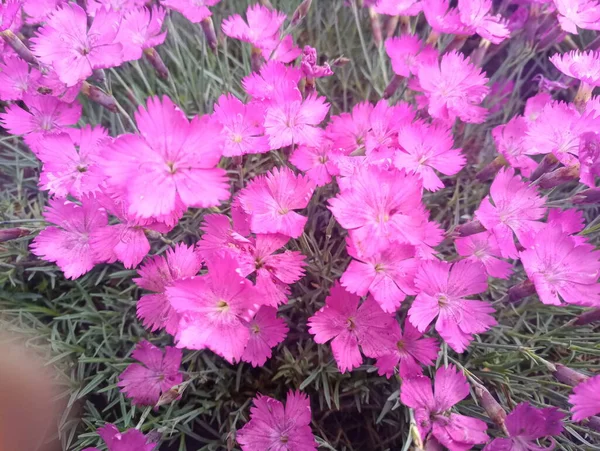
(255, 329)
(443, 300)
(222, 306)
(350, 324)
(171, 167)
(284, 438)
(81, 168)
(237, 138)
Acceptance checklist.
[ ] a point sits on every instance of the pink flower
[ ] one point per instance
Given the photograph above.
(214, 309)
(411, 351)
(122, 6)
(348, 131)
(291, 120)
(270, 201)
(407, 53)
(38, 10)
(193, 10)
(442, 290)
(280, 49)
(158, 374)
(263, 25)
(309, 65)
(388, 275)
(570, 221)
(559, 268)
(71, 161)
(433, 409)
(141, 29)
(8, 13)
(442, 18)
(454, 89)
(586, 399)
(172, 163)
(584, 66)
(275, 427)
(380, 207)
(398, 7)
(386, 121)
(424, 148)
(475, 14)
(316, 162)
(156, 275)
(517, 208)
(219, 237)
(483, 247)
(16, 78)
(66, 44)
(130, 440)
(351, 326)
(578, 13)
(242, 126)
(510, 143)
(274, 78)
(526, 424)
(266, 331)
(589, 158)
(67, 243)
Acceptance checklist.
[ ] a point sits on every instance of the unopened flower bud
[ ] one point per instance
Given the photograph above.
(469, 228)
(11, 234)
(301, 12)
(568, 376)
(97, 95)
(520, 291)
(492, 407)
(559, 176)
(588, 317)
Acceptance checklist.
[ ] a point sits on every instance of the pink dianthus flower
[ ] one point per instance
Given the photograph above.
(141, 29)
(483, 247)
(586, 399)
(510, 143)
(584, 66)
(130, 440)
(578, 13)
(348, 131)
(407, 53)
(316, 162)
(266, 331)
(274, 78)
(193, 10)
(475, 14)
(16, 78)
(262, 25)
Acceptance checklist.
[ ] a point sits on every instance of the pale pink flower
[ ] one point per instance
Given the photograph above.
(424, 148)
(274, 78)
(584, 66)
(16, 78)
(578, 13)
(66, 44)
(454, 89)
(155, 275)
(157, 373)
(193, 10)
(407, 53)
(561, 269)
(214, 309)
(172, 162)
(475, 14)
(483, 247)
(525, 425)
(67, 242)
(351, 326)
(516, 207)
(141, 29)
(442, 290)
(510, 143)
(412, 350)
(266, 331)
(273, 426)
(398, 7)
(130, 440)
(263, 25)
(316, 162)
(586, 399)
(242, 126)
(348, 131)
(270, 201)
(388, 275)
(433, 409)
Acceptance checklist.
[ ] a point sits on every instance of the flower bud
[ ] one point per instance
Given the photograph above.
(568, 376)
(301, 12)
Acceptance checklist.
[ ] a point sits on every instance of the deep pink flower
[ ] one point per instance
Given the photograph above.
(348, 131)
(16, 78)
(309, 65)
(214, 309)
(454, 89)
(270, 201)
(130, 440)
(433, 409)
(483, 247)
(561, 269)
(266, 331)
(316, 162)
(351, 326)
(510, 143)
(398, 7)
(242, 126)
(158, 373)
(578, 13)
(525, 424)
(475, 14)
(442, 290)
(193, 10)
(66, 44)
(67, 242)
(388, 275)
(412, 351)
(263, 25)
(141, 29)
(424, 148)
(274, 78)
(273, 426)
(407, 53)
(172, 162)
(155, 275)
(586, 399)
(517, 208)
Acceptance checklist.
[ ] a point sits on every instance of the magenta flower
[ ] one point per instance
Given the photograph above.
(266, 332)
(584, 66)
(193, 10)
(130, 440)
(242, 126)
(586, 399)
(141, 29)
(483, 247)
(424, 148)
(316, 162)
(270, 201)
(348, 131)
(561, 269)
(16, 78)
(67, 242)
(433, 409)
(157, 374)
(273, 426)
(214, 309)
(274, 78)
(173, 162)
(380, 207)
(408, 53)
(71, 161)
(454, 89)
(66, 44)
(517, 208)
(412, 351)
(442, 290)
(525, 425)
(388, 275)
(263, 25)
(156, 275)
(475, 14)
(351, 326)
(578, 13)
(510, 143)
